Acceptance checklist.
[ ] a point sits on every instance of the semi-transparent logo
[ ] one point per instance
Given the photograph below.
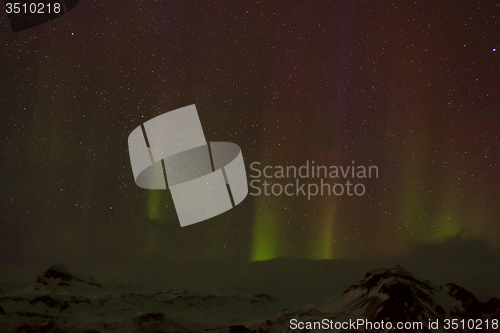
(170, 151)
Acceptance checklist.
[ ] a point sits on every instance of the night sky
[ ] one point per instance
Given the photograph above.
(413, 88)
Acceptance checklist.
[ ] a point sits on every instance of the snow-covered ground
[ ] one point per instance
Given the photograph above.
(62, 302)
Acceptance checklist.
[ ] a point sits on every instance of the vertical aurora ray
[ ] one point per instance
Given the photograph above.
(323, 247)
(448, 222)
(446, 226)
(153, 206)
(430, 213)
(417, 219)
(265, 231)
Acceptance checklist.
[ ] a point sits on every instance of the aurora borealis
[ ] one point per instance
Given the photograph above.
(412, 88)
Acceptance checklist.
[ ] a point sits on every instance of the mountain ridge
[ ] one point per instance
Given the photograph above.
(60, 301)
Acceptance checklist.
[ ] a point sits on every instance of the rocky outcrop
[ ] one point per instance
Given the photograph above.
(59, 275)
